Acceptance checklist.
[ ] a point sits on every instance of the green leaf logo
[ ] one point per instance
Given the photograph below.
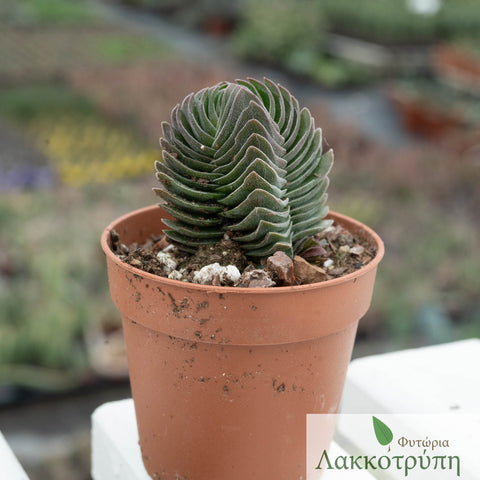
(382, 432)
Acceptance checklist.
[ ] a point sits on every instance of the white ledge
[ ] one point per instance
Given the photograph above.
(116, 452)
(441, 379)
(115, 449)
(10, 468)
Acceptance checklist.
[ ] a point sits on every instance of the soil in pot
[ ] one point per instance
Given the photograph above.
(331, 254)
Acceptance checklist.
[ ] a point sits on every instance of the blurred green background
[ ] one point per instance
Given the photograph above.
(85, 85)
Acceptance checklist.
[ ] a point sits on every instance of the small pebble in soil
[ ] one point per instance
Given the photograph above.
(257, 278)
(357, 250)
(280, 269)
(306, 273)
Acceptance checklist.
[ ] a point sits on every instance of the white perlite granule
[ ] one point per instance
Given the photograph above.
(168, 261)
(228, 274)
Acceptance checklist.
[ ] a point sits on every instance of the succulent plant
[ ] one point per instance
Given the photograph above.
(244, 158)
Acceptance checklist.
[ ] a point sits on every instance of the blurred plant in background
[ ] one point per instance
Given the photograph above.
(381, 20)
(90, 150)
(275, 30)
(291, 34)
(148, 91)
(82, 147)
(84, 97)
(46, 12)
(424, 200)
(212, 16)
(53, 281)
(44, 305)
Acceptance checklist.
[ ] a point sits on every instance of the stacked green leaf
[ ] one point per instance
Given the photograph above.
(243, 157)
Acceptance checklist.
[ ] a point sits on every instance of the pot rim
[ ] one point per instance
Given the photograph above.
(247, 290)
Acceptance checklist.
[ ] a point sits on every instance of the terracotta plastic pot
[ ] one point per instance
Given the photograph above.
(422, 117)
(458, 67)
(222, 377)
